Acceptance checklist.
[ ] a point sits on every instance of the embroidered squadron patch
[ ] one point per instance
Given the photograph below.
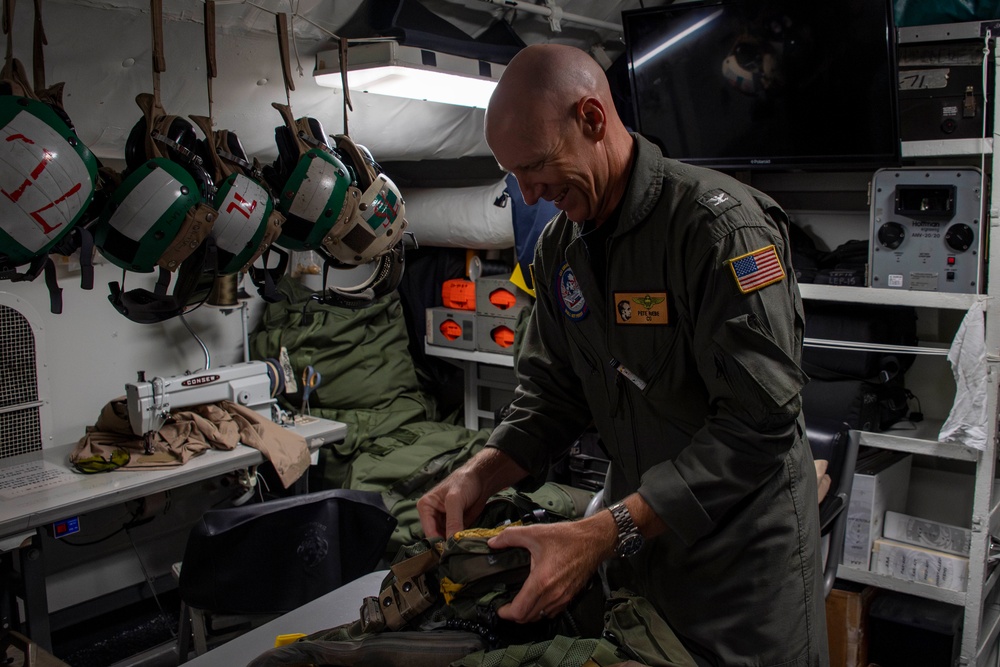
(757, 269)
(718, 201)
(569, 294)
(640, 307)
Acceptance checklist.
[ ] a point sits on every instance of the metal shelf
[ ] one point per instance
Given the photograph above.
(889, 297)
(469, 355)
(947, 147)
(901, 586)
(922, 440)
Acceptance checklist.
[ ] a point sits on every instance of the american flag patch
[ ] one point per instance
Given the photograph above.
(757, 269)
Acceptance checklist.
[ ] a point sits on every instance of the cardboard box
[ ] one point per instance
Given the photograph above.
(847, 624)
(495, 334)
(881, 483)
(499, 297)
(926, 533)
(451, 328)
(920, 565)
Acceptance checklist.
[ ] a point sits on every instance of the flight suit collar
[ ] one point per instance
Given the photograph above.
(644, 187)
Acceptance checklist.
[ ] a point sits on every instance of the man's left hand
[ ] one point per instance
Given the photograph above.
(564, 556)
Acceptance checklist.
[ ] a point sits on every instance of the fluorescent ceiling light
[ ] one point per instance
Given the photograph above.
(389, 68)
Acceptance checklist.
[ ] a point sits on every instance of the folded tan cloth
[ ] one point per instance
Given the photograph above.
(186, 434)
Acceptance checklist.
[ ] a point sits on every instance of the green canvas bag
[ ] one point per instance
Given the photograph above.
(406, 463)
(369, 380)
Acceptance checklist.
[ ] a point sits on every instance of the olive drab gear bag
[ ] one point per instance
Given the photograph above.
(438, 603)
(437, 606)
(369, 382)
(406, 463)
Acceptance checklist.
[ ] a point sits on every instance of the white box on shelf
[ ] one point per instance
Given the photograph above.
(917, 564)
(880, 484)
(926, 533)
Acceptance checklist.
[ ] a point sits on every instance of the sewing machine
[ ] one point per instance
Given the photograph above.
(150, 402)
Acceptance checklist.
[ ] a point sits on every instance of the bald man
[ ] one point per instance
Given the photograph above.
(712, 490)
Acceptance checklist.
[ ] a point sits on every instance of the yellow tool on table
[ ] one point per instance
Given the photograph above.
(310, 380)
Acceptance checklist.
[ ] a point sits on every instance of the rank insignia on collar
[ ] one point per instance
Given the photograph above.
(640, 308)
(569, 294)
(757, 269)
(718, 201)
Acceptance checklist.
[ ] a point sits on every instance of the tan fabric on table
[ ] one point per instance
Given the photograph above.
(190, 432)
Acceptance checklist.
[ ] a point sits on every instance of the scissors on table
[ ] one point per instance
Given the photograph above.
(310, 380)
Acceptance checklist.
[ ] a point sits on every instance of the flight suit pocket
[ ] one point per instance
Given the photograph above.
(761, 368)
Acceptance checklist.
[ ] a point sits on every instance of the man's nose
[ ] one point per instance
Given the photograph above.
(531, 192)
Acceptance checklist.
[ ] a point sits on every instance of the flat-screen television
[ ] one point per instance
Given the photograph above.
(756, 84)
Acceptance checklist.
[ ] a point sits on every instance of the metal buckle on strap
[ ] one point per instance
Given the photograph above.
(408, 595)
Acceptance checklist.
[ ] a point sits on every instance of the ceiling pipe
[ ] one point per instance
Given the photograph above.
(555, 14)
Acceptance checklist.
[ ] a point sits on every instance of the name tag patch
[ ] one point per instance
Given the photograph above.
(640, 308)
(757, 269)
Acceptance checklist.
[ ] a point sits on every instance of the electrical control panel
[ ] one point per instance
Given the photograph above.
(927, 229)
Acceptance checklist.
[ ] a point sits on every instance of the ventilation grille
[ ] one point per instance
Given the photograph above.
(20, 418)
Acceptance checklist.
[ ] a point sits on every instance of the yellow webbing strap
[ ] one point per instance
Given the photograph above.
(449, 589)
(485, 533)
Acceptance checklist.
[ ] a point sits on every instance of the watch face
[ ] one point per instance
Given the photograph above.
(630, 545)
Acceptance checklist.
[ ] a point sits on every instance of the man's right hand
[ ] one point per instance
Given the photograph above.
(457, 501)
(451, 505)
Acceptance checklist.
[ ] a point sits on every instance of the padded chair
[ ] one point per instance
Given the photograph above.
(244, 566)
(837, 444)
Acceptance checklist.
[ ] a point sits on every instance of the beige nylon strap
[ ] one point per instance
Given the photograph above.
(342, 54)
(293, 127)
(155, 116)
(211, 67)
(14, 74)
(159, 60)
(281, 25)
(8, 25)
(196, 226)
(271, 234)
(347, 145)
(219, 169)
(38, 52)
(156, 14)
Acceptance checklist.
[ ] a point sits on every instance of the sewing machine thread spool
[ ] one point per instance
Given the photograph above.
(224, 292)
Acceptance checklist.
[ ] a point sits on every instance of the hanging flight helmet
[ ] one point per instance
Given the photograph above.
(154, 218)
(377, 223)
(315, 190)
(158, 215)
(47, 185)
(247, 222)
(372, 235)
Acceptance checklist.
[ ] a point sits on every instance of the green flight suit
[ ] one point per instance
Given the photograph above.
(696, 397)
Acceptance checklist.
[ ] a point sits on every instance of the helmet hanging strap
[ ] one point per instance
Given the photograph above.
(38, 54)
(211, 66)
(281, 27)
(8, 26)
(159, 60)
(342, 54)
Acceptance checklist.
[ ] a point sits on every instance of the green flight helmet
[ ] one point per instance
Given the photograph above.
(245, 208)
(48, 181)
(317, 196)
(147, 214)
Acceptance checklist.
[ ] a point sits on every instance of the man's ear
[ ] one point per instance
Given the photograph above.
(590, 113)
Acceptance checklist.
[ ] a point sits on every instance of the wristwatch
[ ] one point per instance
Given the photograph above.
(629, 538)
